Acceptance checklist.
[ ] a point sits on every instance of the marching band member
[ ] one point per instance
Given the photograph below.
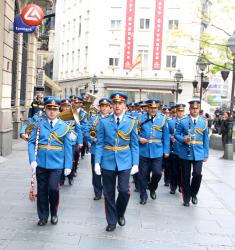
(75, 137)
(82, 114)
(116, 155)
(166, 161)
(38, 115)
(192, 133)
(154, 143)
(176, 162)
(105, 110)
(36, 105)
(54, 155)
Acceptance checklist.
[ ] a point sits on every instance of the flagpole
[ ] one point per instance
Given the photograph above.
(141, 73)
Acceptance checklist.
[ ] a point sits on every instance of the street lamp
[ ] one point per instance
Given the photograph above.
(178, 78)
(228, 152)
(201, 68)
(94, 81)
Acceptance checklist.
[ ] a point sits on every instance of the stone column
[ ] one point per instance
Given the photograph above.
(6, 55)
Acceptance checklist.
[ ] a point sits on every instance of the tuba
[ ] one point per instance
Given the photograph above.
(68, 115)
(89, 102)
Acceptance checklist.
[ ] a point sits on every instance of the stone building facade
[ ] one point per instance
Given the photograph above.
(17, 74)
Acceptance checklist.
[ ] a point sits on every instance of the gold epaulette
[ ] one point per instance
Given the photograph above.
(126, 136)
(57, 137)
(200, 131)
(159, 128)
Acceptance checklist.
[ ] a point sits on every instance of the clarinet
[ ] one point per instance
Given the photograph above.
(189, 134)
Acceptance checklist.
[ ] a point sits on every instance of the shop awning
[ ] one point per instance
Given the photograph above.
(53, 85)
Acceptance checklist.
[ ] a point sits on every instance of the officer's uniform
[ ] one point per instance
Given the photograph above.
(135, 114)
(176, 162)
(192, 153)
(54, 153)
(117, 150)
(76, 138)
(155, 130)
(166, 161)
(91, 135)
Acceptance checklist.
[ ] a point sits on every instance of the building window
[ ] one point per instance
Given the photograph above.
(173, 24)
(65, 92)
(171, 61)
(76, 91)
(144, 24)
(78, 65)
(80, 26)
(71, 91)
(113, 61)
(115, 24)
(144, 57)
(86, 57)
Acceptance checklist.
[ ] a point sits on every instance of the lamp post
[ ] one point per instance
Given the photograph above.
(228, 152)
(201, 68)
(178, 78)
(94, 81)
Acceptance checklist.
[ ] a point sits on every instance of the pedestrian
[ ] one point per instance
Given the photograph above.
(154, 142)
(116, 157)
(192, 133)
(54, 155)
(224, 128)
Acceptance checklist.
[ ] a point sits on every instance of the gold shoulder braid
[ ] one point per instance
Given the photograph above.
(200, 131)
(159, 128)
(57, 137)
(126, 136)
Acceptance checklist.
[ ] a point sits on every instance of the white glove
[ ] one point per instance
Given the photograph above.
(134, 169)
(72, 136)
(67, 171)
(33, 166)
(97, 169)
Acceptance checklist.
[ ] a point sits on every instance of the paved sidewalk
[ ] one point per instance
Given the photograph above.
(160, 224)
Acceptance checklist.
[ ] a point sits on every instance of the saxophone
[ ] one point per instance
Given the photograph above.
(93, 128)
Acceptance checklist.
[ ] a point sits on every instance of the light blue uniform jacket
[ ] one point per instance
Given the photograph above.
(173, 124)
(108, 135)
(157, 134)
(199, 133)
(57, 136)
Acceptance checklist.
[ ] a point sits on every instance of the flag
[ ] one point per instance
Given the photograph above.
(136, 62)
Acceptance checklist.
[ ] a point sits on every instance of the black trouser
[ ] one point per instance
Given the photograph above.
(175, 172)
(146, 166)
(166, 169)
(96, 179)
(115, 208)
(76, 152)
(191, 189)
(136, 181)
(47, 191)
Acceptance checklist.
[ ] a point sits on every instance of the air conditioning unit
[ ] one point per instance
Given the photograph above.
(40, 78)
(39, 61)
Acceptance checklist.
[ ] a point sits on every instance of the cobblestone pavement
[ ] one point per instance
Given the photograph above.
(160, 224)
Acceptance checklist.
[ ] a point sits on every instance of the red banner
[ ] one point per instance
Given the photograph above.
(157, 46)
(129, 33)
